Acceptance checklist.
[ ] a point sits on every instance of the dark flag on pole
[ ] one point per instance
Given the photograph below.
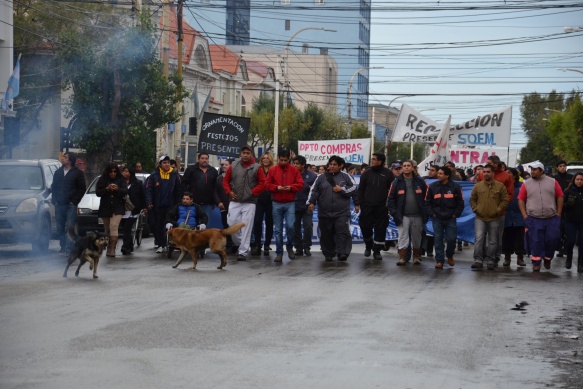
(223, 135)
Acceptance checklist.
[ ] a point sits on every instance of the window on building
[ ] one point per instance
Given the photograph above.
(200, 57)
(243, 106)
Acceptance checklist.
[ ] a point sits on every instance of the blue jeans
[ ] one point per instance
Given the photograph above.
(486, 240)
(444, 229)
(65, 217)
(208, 209)
(283, 211)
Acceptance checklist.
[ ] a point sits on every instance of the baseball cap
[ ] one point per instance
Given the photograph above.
(395, 165)
(247, 147)
(536, 165)
(164, 158)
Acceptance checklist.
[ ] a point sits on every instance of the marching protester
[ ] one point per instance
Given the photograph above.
(373, 189)
(541, 203)
(68, 188)
(406, 205)
(304, 226)
(564, 179)
(396, 168)
(163, 191)
(224, 198)
(454, 173)
(332, 192)
(513, 236)
(111, 188)
(573, 216)
(444, 203)
(488, 201)
(263, 210)
(200, 180)
(243, 183)
(284, 181)
(137, 197)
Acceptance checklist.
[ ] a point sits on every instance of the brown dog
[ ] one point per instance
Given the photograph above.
(192, 241)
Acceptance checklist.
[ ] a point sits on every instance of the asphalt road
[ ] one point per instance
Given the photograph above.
(301, 324)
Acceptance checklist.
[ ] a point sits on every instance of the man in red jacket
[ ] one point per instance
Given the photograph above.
(284, 181)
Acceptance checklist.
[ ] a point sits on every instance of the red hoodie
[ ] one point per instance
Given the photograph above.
(286, 176)
(260, 179)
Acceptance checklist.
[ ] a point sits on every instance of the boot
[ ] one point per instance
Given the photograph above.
(368, 247)
(520, 260)
(506, 260)
(416, 256)
(111, 246)
(402, 255)
(569, 261)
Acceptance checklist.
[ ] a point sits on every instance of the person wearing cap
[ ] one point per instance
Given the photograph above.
(506, 179)
(163, 191)
(541, 203)
(373, 191)
(396, 168)
(406, 206)
(243, 183)
(563, 178)
(284, 181)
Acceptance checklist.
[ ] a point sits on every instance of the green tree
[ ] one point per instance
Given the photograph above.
(565, 130)
(120, 94)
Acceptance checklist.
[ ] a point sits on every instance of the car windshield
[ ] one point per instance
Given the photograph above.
(21, 177)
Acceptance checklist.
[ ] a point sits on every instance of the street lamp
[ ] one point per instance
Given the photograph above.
(350, 93)
(388, 116)
(570, 70)
(286, 70)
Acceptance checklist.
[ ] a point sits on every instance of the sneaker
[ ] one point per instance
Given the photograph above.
(160, 249)
(377, 256)
(450, 262)
(490, 266)
(547, 263)
(367, 252)
(328, 259)
(241, 257)
(439, 265)
(278, 259)
(307, 252)
(477, 265)
(299, 253)
(342, 258)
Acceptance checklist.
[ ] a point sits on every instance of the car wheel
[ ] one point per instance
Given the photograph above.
(42, 243)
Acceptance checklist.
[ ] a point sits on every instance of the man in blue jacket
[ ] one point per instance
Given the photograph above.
(407, 206)
(163, 190)
(444, 203)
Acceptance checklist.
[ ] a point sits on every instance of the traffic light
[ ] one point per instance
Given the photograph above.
(65, 138)
(11, 131)
(192, 126)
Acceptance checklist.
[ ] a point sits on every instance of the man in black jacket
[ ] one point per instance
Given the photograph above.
(67, 189)
(372, 193)
(444, 203)
(564, 179)
(406, 205)
(200, 179)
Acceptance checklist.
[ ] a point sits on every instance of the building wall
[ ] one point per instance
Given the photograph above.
(275, 23)
(6, 44)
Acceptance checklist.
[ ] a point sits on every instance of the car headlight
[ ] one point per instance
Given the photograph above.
(28, 205)
(84, 211)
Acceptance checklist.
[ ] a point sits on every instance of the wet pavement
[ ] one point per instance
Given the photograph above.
(304, 323)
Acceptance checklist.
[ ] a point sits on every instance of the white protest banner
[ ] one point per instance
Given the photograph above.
(466, 158)
(414, 127)
(356, 151)
(492, 129)
(439, 154)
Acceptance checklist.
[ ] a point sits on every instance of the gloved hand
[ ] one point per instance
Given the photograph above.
(169, 226)
(202, 227)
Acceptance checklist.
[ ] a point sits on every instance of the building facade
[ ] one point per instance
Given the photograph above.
(279, 24)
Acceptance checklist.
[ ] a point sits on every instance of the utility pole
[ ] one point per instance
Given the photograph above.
(177, 135)
(162, 138)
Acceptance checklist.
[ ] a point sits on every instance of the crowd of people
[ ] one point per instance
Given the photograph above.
(517, 211)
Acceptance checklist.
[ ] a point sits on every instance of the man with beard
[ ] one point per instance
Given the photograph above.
(372, 192)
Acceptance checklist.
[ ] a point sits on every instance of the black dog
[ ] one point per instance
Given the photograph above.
(87, 249)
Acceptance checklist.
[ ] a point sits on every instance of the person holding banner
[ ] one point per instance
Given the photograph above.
(406, 205)
(332, 192)
(444, 203)
(373, 189)
(243, 182)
